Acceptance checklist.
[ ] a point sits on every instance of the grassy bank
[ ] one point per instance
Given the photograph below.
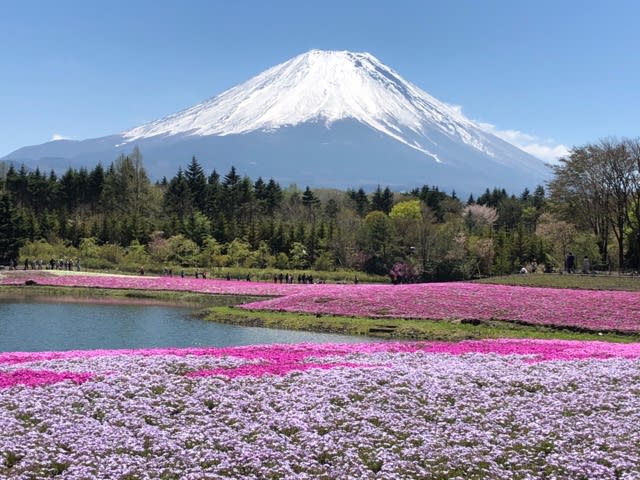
(555, 280)
(399, 329)
(235, 273)
(191, 299)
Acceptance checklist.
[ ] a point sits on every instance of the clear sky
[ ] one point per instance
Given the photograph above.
(548, 74)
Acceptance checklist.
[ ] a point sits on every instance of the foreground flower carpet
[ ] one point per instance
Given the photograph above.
(499, 409)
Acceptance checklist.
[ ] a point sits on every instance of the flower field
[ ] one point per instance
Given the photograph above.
(589, 309)
(508, 409)
(175, 283)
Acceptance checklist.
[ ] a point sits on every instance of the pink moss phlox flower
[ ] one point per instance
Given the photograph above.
(436, 410)
(258, 352)
(589, 309)
(282, 359)
(33, 378)
(213, 286)
(260, 369)
(541, 350)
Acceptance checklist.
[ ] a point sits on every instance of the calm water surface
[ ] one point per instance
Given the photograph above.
(54, 324)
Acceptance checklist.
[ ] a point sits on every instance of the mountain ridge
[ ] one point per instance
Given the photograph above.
(296, 91)
(345, 99)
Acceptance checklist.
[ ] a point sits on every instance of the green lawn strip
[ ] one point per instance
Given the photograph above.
(402, 329)
(555, 280)
(239, 273)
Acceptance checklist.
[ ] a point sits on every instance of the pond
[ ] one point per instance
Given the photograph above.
(43, 324)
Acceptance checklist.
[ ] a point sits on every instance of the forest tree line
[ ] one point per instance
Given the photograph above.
(115, 216)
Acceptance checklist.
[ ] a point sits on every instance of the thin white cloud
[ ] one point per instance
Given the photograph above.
(544, 149)
(512, 136)
(548, 153)
(57, 136)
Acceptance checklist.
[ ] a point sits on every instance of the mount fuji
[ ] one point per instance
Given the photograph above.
(325, 119)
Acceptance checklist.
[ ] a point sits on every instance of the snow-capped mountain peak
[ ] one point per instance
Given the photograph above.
(322, 86)
(324, 118)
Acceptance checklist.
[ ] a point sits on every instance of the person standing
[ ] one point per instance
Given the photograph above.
(586, 265)
(571, 263)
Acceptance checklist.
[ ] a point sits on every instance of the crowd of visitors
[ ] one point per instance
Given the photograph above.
(570, 265)
(53, 264)
(281, 277)
(288, 278)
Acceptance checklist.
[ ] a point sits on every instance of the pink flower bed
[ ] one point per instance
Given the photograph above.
(33, 378)
(420, 410)
(595, 310)
(256, 361)
(187, 284)
(590, 309)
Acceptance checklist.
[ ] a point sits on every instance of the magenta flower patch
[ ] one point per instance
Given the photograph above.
(282, 359)
(483, 409)
(593, 310)
(33, 378)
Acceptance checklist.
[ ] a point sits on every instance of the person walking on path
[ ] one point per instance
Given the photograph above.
(571, 263)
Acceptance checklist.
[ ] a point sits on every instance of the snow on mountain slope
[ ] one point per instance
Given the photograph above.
(323, 86)
(324, 118)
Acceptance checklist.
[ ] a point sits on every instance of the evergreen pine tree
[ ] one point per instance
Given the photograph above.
(273, 197)
(230, 193)
(538, 199)
(387, 200)
(277, 241)
(382, 200)
(309, 200)
(361, 201)
(213, 196)
(197, 184)
(96, 184)
(177, 199)
(11, 238)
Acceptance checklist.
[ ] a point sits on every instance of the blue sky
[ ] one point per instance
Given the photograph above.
(548, 75)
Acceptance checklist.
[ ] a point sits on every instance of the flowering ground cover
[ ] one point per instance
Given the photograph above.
(505, 409)
(175, 283)
(589, 309)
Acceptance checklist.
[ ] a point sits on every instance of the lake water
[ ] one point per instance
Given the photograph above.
(40, 325)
